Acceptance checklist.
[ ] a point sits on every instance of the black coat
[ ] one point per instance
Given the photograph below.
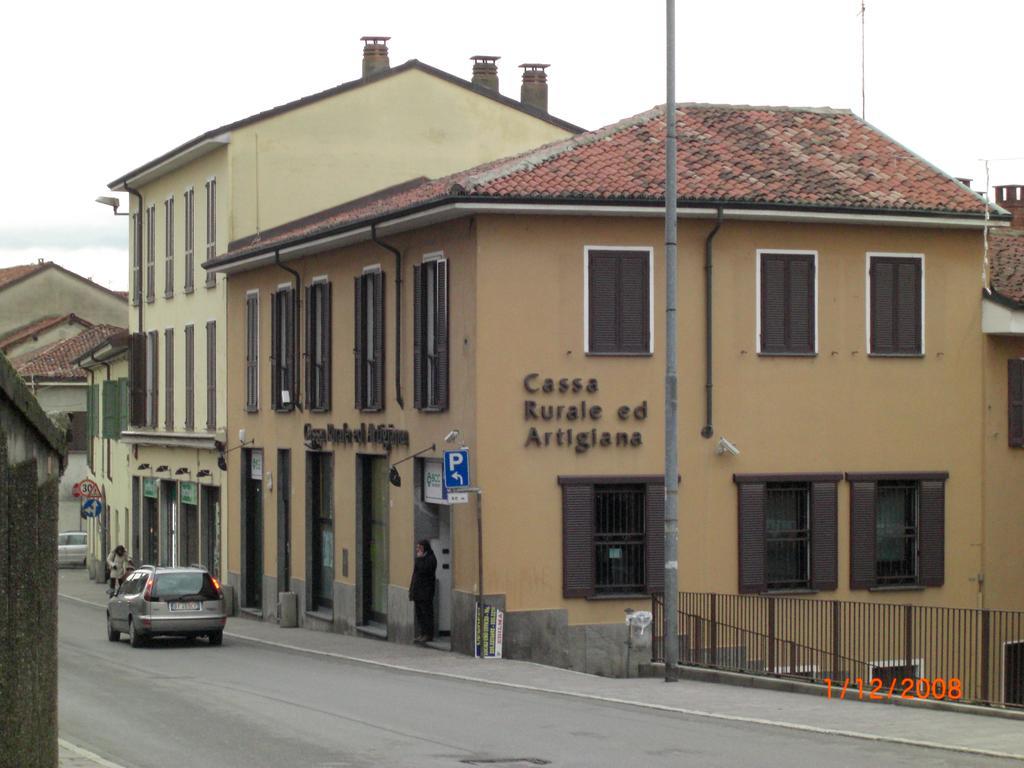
(423, 574)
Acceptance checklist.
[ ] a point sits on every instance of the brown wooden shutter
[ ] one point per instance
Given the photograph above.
(883, 332)
(752, 537)
(169, 379)
(602, 274)
(291, 332)
(190, 377)
(252, 321)
(275, 350)
(418, 336)
(441, 347)
(378, 340)
(324, 346)
(577, 540)
(908, 306)
(359, 349)
(211, 375)
(1015, 401)
(153, 416)
(800, 304)
(312, 307)
(137, 379)
(931, 533)
(773, 303)
(655, 538)
(634, 303)
(824, 536)
(862, 534)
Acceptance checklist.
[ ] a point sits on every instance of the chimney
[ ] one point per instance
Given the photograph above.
(1011, 197)
(534, 92)
(485, 71)
(964, 180)
(375, 55)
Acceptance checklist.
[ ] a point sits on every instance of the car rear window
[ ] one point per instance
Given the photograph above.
(170, 586)
(76, 538)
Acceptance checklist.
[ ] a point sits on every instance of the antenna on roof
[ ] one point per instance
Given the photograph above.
(863, 96)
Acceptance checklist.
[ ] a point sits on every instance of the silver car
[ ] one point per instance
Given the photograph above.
(180, 602)
(72, 547)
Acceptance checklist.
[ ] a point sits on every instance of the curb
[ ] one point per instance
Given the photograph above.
(624, 702)
(86, 754)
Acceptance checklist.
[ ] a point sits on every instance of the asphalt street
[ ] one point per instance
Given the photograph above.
(178, 703)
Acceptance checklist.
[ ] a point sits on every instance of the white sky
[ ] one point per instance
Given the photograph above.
(92, 90)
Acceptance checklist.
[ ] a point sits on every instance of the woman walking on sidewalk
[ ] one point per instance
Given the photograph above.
(117, 562)
(421, 591)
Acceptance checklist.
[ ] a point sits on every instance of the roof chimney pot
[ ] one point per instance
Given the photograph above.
(485, 71)
(375, 55)
(534, 92)
(1011, 197)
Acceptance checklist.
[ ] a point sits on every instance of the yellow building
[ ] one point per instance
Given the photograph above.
(242, 181)
(829, 301)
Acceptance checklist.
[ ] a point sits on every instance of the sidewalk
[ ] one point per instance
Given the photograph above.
(875, 721)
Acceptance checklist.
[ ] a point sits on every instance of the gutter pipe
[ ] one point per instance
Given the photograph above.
(398, 312)
(708, 429)
(298, 314)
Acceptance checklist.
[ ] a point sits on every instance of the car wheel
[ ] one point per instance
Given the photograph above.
(216, 638)
(134, 636)
(112, 634)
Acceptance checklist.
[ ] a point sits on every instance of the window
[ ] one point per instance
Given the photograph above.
(897, 530)
(138, 369)
(788, 306)
(111, 395)
(211, 375)
(896, 304)
(169, 379)
(211, 228)
(136, 246)
(282, 349)
(613, 535)
(788, 536)
(190, 239)
(152, 380)
(430, 335)
(618, 301)
(190, 377)
(318, 346)
(78, 429)
(168, 247)
(151, 253)
(1015, 402)
(369, 338)
(252, 351)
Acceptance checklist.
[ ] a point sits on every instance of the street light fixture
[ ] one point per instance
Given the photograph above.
(113, 202)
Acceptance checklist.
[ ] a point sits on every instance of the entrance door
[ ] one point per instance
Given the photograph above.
(210, 538)
(252, 528)
(284, 516)
(189, 523)
(150, 522)
(320, 524)
(442, 547)
(168, 520)
(374, 550)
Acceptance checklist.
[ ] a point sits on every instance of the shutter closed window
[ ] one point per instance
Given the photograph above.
(441, 336)
(618, 300)
(578, 540)
(824, 535)
(895, 297)
(655, 537)
(137, 379)
(369, 341)
(932, 532)
(169, 379)
(752, 538)
(430, 335)
(418, 338)
(111, 409)
(211, 375)
(252, 352)
(1015, 401)
(190, 377)
(787, 303)
(318, 346)
(862, 534)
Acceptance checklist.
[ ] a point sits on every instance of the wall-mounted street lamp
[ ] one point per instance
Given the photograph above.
(396, 479)
(222, 462)
(183, 471)
(143, 466)
(163, 468)
(113, 202)
(203, 473)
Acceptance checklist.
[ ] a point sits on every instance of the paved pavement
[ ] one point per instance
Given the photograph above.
(951, 732)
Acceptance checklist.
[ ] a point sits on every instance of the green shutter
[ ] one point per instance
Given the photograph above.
(122, 396)
(111, 409)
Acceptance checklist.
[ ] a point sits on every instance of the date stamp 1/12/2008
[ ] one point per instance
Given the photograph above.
(876, 689)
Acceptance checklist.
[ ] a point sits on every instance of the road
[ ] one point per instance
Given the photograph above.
(179, 703)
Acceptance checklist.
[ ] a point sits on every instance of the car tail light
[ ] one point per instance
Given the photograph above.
(148, 594)
(216, 585)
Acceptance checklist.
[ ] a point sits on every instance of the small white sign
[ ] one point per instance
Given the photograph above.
(256, 469)
(456, 497)
(433, 482)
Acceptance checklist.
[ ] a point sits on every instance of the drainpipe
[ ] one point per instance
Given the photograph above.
(138, 244)
(110, 474)
(708, 429)
(398, 313)
(298, 313)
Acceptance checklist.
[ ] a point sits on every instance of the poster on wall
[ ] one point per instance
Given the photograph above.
(493, 626)
(256, 469)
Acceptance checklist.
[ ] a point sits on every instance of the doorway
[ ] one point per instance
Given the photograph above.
(284, 507)
(168, 522)
(136, 532)
(252, 528)
(1013, 673)
(372, 483)
(210, 539)
(150, 522)
(433, 521)
(188, 497)
(320, 524)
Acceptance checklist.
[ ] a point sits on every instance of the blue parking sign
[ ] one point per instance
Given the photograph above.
(456, 468)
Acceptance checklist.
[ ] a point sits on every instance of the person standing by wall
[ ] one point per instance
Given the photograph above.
(116, 565)
(421, 590)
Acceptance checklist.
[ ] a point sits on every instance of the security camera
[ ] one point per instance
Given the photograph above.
(724, 446)
(452, 436)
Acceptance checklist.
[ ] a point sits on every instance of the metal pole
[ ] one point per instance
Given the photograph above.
(671, 379)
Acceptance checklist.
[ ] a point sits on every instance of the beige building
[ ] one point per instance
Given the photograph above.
(830, 305)
(242, 181)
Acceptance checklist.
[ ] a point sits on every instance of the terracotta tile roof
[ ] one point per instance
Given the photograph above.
(754, 156)
(1006, 263)
(12, 274)
(57, 361)
(27, 331)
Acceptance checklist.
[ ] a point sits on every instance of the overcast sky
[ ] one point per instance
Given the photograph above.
(92, 90)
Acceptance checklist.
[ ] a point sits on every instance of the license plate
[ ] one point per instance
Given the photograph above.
(185, 606)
